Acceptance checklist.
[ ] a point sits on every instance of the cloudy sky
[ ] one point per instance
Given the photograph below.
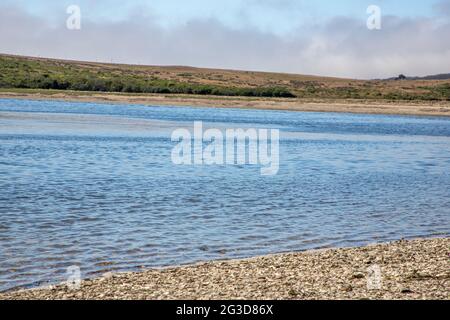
(321, 37)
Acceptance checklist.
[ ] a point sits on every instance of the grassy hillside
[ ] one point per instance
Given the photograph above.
(37, 73)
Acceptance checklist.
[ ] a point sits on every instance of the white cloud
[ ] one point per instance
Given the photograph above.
(342, 47)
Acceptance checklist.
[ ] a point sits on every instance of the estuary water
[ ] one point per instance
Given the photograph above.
(93, 185)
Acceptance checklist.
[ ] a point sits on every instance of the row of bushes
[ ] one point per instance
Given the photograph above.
(136, 86)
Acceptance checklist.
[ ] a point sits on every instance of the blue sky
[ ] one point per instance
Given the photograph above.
(278, 16)
(325, 37)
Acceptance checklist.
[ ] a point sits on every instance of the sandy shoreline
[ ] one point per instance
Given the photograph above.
(432, 108)
(413, 269)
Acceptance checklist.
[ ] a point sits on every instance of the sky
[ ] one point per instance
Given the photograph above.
(319, 37)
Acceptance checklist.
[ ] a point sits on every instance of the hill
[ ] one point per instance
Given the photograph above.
(42, 73)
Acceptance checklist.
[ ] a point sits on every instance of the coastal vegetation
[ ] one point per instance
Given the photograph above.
(37, 74)
(49, 74)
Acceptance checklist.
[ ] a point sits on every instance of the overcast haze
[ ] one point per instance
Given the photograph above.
(327, 38)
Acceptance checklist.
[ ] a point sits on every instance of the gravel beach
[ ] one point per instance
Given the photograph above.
(415, 269)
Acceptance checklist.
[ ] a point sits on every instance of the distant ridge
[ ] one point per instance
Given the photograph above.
(441, 76)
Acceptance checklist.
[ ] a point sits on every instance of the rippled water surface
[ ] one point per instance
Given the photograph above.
(93, 185)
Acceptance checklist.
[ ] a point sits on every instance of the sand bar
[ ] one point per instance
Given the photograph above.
(417, 108)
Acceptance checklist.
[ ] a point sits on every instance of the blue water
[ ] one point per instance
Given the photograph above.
(93, 185)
